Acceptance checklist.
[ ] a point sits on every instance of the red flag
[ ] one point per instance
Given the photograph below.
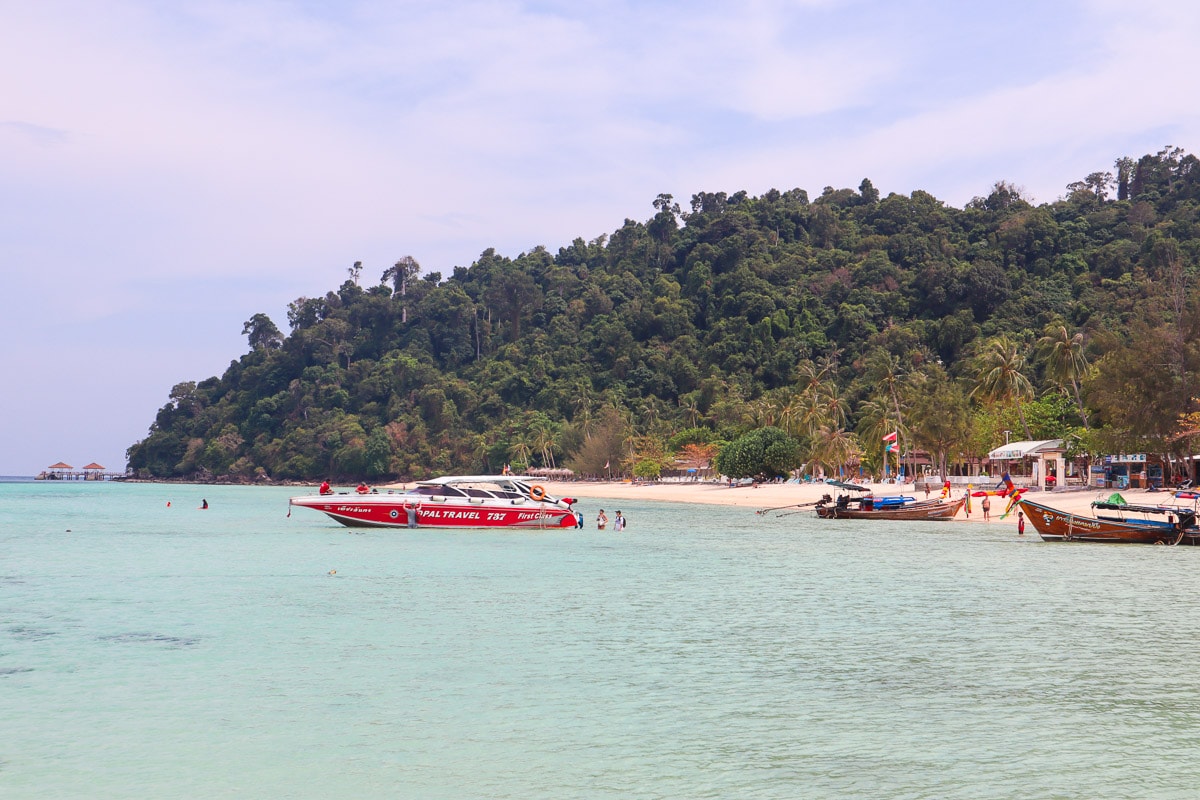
(891, 437)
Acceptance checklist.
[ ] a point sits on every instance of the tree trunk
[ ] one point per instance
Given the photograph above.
(1024, 424)
(1079, 403)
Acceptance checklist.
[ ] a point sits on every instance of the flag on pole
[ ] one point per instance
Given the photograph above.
(891, 437)
(892, 448)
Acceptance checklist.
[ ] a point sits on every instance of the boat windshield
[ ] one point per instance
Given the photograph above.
(433, 491)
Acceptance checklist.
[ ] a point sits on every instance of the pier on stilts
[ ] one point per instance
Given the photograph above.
(65, 472)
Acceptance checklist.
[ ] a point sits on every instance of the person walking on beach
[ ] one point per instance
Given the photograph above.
(1020, 523)
(601, 520)
(987, 506)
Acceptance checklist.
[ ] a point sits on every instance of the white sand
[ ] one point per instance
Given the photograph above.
(773, 495)
(776, 495)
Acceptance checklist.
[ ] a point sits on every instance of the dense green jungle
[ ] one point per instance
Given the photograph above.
(759, 334)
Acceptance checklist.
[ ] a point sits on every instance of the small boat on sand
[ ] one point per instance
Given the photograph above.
(453, 501)
(1111, 522)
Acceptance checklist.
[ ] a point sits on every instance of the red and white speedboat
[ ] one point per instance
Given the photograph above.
(455, 501)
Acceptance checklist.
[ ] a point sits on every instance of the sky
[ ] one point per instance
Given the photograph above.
(169, 170)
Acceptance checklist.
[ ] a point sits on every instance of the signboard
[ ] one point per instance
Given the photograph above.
(1130, 458)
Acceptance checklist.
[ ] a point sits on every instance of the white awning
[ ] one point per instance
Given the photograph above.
(1014, 450)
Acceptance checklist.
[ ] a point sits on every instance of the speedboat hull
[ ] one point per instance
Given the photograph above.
(453, 502)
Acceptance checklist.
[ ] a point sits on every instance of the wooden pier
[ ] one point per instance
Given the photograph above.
(65, 472)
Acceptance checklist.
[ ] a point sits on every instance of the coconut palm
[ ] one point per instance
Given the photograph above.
(877, 419)
(1000, 378)
(520, 452)
(691, 408)
(1066, 362)
(544, 435)
(835, 448)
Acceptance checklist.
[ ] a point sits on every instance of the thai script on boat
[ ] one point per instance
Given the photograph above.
(1078, 523)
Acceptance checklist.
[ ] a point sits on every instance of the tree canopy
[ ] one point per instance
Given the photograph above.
(834, 321)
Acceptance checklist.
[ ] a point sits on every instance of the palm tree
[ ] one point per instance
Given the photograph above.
(876, 420)
(545, 443)
(691, 408)
(520, 452)
(817, 402)
(834, 448)
(1000, 379)
(1066, 362)
(886, 371)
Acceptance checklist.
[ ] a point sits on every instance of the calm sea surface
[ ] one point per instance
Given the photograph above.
(149, 651)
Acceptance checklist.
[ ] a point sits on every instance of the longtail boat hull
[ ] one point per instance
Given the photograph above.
(1054, 525)
(931, 510)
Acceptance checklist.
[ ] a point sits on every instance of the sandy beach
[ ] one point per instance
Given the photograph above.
(773, 495)
(780, 495)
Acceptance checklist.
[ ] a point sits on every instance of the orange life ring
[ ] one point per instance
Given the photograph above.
(537, 493)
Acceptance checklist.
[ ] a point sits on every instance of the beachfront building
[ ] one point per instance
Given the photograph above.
(1030, 463)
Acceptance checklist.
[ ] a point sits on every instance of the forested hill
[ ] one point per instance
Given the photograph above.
(836, 319)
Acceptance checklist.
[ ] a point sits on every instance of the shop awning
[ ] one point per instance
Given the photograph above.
(1014, 450)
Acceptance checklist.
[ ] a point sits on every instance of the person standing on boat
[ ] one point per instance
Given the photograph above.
(601, 520)
(325, 488)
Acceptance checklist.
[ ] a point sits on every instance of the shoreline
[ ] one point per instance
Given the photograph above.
(783, 495)
(779, 496)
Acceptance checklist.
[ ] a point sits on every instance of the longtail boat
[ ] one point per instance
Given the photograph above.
(1109, 523)
(890, 508)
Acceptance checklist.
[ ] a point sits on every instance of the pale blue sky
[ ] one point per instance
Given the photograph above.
(167, 170)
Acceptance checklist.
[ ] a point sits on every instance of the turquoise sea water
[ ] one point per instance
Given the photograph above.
(157, 652)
